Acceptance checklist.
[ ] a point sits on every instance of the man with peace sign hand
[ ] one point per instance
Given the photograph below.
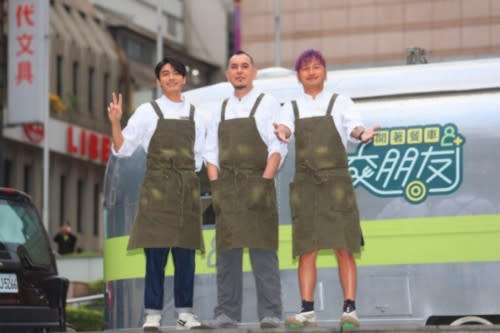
(168, 214)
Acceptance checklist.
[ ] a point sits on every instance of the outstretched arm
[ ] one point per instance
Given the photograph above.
(364, 134)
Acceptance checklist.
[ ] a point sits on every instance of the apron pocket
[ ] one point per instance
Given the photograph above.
(301, 210)
(221, 208)
(340, 193)
(163, 194)
(224, 200)
(192, 193)
(260, 193)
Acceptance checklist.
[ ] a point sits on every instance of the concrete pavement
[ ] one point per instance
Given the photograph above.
(426, 329)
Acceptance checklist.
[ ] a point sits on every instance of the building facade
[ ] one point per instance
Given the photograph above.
(84, 68)
(358, 33)
(133, 25)
(94, 51)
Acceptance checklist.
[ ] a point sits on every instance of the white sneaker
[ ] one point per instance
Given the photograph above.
(187, 321)
(221, 321)
(152, 322)
(270, 322)
(349, 319)
(301, 319)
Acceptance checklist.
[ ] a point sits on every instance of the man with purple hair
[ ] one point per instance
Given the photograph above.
(324, 209)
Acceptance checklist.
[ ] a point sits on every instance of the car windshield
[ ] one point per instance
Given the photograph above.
(19, 224)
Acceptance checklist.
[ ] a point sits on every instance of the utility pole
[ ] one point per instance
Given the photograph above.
(277, 39)
(3, 84)
(159, 38)
(46, 119)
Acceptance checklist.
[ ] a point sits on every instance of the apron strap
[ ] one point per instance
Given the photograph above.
(256, 105)
(330, 105)
(157, 109)
(295, 110)
(191, 112)
(223, 112)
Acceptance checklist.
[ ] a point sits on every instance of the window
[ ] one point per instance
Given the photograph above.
(62, 199)
(79, 205)
(75, 78)
(121, 84)
(143, 95)
(27, 178)
(90, 90)
(7, 168)
(105, 96)
(195, 76)
(59, 75)
(96, 209)
(133, 49)
(230, 34)
(139, 49)
(172, 25)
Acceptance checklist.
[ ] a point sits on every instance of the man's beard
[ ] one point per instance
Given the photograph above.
(240, 87)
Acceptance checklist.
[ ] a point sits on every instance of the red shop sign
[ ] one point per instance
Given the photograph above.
(94, 146)
(34, 133)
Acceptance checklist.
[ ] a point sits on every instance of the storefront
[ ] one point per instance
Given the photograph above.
(78, 158)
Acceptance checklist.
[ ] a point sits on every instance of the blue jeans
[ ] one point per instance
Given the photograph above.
(156, 260)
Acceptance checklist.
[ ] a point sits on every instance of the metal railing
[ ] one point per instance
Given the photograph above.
(77, 301)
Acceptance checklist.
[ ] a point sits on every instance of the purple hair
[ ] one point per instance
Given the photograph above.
(307, 56)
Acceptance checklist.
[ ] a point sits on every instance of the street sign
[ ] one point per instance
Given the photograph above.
(28, 61)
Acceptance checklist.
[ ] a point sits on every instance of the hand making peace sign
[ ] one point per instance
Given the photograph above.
(115, 109)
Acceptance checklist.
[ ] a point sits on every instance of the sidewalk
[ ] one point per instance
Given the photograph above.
(427, 329)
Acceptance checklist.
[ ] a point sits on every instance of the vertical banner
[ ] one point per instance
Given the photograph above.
(28, 61)
(237, 25)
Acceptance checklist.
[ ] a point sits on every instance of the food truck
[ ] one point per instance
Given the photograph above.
(428, 191)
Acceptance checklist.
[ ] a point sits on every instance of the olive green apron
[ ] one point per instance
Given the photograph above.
(322, 199)
(244, 202)
(168, 212)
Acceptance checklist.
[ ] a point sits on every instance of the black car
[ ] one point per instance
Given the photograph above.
(32, 296)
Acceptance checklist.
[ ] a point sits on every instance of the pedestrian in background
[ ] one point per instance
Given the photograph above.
(65, 239)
